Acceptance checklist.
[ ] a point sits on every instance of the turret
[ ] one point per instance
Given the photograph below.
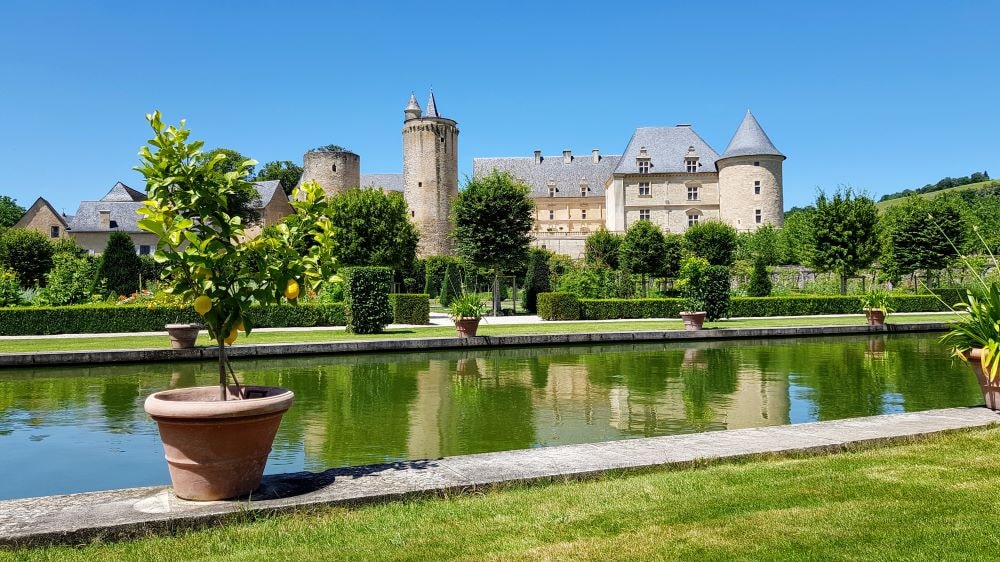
(334, 168)
(750, 182)
(412, 110)
(430, 175)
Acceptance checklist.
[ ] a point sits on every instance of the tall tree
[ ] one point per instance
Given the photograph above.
(119, 267)
(244, 201)
(537, 278)
(372, 227)
(713, 240)
(285, 171)
(601, 249)
(844, 234)
(28, 253)
(642, 250)
(10, 211)
(795, 237)
(912, 239)
(493, 219)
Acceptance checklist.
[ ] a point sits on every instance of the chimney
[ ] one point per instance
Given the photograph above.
(567, 156)
(538, 157)
(597, 156)
(105, 218)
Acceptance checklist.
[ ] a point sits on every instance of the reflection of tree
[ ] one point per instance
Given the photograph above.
(840, 385)
(709, 375)
(539, 372)
(927, 377)
(490, 412)
(120, 398)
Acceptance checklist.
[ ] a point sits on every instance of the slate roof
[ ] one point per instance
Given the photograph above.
(567, 176)
(39, 204)
(123, 202)
(750, 140)
(432, 110)
(666, 148)
(388, 182)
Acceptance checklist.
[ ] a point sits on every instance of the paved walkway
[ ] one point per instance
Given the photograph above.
(117, 514)
(441, 319)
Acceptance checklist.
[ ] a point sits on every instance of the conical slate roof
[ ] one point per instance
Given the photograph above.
(413, 105)
(750, 140)
(432, 110)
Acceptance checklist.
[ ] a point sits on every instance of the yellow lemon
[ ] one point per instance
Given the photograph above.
(240, 327)
(202, 304)
(232, 336)
(292, 290)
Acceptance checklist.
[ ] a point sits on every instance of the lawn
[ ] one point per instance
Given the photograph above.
(928, 500)
(327, 334)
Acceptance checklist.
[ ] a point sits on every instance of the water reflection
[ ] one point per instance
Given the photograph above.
(363, 409)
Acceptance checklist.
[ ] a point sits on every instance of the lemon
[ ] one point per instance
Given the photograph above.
(240, 327)
(232, 336)
(202, 305)
(292, 290)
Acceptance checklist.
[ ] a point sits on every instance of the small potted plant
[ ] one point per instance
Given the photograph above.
(975, 338)
(467, 310)
(690, 280)
(694, 313)
(875, 303)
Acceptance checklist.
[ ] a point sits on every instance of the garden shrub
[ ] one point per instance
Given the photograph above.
(149, 271)
(536, 279)
(558, 306)
(760, 280)
(450, 287)
(10, 288)
(434, 269)
(366, 298)
(609, 309)
(69, 281)
(28, 253)
(408, 308)
(714, 289)
(106, 318)
(119, 269)
(713, 240)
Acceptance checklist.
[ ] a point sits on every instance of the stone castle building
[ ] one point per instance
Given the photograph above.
(429, 181)
(667, 175)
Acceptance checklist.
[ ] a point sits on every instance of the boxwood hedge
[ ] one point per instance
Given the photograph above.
(410, 308)
(558, 306)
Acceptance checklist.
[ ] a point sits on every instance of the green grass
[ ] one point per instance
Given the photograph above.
(883, 205)
(328, 335)
(928, 500)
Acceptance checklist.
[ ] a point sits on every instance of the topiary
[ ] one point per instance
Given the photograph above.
(120, 266)
(449, 287)
(536, 279)
(760, 280)
(713, 240)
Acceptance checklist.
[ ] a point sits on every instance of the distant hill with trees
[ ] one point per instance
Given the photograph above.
(944, 183)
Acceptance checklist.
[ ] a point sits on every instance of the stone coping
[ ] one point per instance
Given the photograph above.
(51, 358)
(137, 512)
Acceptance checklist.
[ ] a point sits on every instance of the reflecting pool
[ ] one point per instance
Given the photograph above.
(66, 430)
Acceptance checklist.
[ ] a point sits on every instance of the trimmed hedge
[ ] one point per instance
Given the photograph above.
(565, 306)
(558, 306)
(103, 318)
(410, 308)
(366, 299)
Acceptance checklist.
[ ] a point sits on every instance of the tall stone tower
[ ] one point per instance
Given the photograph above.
(430, 174)
(336, 170)
(750, 188)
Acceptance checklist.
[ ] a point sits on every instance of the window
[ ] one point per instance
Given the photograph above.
(692, 165)
(552, 192)
(644, 214)
(756, 187)
(643, 166)
(144, 250)
(692, 193)
(54, 232)
(583, 214)
(420, 184)
(644, 189)
(413, 213)
(552, 215)
(583, 190)
(756, 163)
(757, 217)
(693, 219)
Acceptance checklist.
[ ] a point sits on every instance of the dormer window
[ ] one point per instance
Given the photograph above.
(643, 166)
(552, 188)
(691, 165)
(584, 187)
(642, 161)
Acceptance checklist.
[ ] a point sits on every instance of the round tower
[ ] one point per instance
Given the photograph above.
(430, 175)
(750, 185)
(335, 169)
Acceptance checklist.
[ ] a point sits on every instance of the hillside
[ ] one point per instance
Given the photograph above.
(883, 205)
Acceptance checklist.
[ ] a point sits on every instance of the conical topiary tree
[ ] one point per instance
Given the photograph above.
(449, 287)
(120, 266)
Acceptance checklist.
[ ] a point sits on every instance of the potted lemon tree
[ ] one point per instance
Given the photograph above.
(217, 438)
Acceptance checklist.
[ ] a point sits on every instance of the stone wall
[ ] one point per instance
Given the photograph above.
(95, 242)
(738, 201)
(335, 172)
(430, 179)
(42, 220)
(567, 214)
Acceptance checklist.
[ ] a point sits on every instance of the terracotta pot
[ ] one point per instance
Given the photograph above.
(991, 389)
(466, 327)
(217, 449)
(183, 336)
(875, 316)
(693, 320)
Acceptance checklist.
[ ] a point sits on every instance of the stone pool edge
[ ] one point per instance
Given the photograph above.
(138, 512)
(54, 358)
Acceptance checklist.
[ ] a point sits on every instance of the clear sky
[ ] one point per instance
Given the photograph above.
(877, 95)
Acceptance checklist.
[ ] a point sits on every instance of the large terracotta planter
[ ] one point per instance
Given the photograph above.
(183, 336)
(693, 320)
(875, 316)
(991, 389)
(217, 449)
(466, 327)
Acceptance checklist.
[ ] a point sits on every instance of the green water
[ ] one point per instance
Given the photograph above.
(80, 429)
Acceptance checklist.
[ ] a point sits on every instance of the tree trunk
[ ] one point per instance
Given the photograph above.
(222, 366)
(843, 283)
(496, 294)
(643, 276)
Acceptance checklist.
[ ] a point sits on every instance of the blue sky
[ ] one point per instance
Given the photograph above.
(877, 95)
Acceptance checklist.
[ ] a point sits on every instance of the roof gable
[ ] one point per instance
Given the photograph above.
(40, 205)
(122, 192)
